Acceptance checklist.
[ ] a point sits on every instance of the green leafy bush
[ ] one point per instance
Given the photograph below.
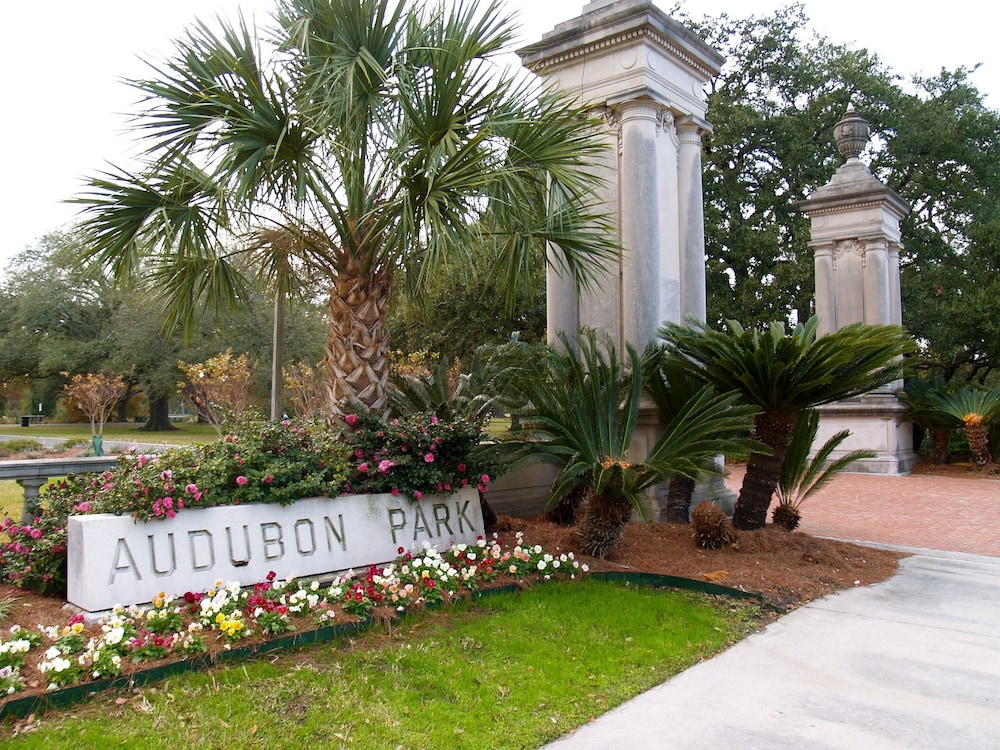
(272, 462)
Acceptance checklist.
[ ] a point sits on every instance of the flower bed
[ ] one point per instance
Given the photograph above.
(204, 626)
(260, 462)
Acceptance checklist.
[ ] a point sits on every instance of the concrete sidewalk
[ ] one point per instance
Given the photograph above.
(910, 663)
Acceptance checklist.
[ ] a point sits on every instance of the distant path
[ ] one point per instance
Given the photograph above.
(939, 513)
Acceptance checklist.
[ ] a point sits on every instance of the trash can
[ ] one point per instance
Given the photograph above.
(25, 421)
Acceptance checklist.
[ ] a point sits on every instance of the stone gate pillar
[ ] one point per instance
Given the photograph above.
(856, 243)
(644, 74)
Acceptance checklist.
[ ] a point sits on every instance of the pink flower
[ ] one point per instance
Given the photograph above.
(485, 479)
(166, 474)
(359, 453)
(434, 419)
(83, 507)
(395, 491)
(35, 533)
(417, 494)
(462, 468)
(429, 458)
(363, 468)
(351, 419)
(385, 464)
(268, 479)
(241, 480)
(191, 488)
(168, 502)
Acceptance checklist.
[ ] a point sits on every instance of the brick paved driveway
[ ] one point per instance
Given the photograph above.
(941, 513)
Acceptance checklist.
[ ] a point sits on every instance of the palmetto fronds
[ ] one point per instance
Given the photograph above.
(373, 134)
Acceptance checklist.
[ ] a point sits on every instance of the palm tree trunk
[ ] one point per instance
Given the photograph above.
(979, 443)
(773, 428)
(603, 524)
(357, 352)
(679, 499)
(941, 438)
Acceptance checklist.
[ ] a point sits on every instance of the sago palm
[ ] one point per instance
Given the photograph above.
(672, 386)
(919, 394)
(583, 417)
(783, 373)
(803, 476)
(975, 408)
(375, 134)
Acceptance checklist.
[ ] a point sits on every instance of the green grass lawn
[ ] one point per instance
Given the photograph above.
(186, 433)
(509, 671)
(11, 499)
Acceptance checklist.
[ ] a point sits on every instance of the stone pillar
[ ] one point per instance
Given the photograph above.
(639, 221)
(856, 242)
(644, 75)
(692, 218)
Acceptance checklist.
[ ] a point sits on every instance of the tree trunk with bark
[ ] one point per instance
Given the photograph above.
(773, 427)
(357, 352)
(978, 437)
(941, 439)
(159, 415)
(679, 494)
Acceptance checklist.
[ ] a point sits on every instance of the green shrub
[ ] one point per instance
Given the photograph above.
(19, 445)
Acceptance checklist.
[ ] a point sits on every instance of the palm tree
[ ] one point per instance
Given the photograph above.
(474, 395)
(974, 408)
(784, 373)
(375, 135)
(802, 476)
(918, 395)
(582, 420)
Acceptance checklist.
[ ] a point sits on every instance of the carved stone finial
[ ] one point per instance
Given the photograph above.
(851, 134)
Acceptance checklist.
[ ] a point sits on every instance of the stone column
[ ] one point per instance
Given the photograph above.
(640, 230)
(875, 263)
(692, 218)
(856, 241)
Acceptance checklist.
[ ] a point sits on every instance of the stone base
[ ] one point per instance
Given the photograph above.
(876, 423)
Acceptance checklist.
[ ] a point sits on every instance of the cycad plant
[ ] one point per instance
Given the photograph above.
(918, 394)
(975, 408)
(802, 476)
(672, 386)
(783, 373)
(484, 387)
(583, 417)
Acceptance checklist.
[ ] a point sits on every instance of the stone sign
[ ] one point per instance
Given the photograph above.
(116, 560)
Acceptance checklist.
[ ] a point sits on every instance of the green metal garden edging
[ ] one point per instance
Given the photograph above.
(655, 580)
(73, 694)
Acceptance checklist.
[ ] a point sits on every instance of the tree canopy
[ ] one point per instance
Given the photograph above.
(935, 142)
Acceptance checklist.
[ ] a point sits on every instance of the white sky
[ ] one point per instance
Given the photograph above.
(64, 108)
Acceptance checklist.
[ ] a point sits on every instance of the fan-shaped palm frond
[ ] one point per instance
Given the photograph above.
(382, 132)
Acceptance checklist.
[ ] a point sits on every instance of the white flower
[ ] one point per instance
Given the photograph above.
(114, 636)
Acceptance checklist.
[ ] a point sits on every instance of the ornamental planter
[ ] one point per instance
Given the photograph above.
(116, 560)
